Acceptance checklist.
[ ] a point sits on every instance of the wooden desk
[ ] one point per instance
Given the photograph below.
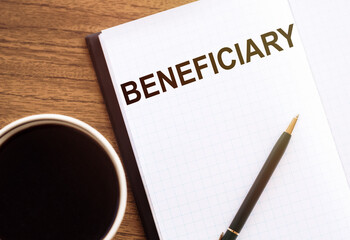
(45, 66)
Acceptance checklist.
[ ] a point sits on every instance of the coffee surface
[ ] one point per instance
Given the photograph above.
(55, 183)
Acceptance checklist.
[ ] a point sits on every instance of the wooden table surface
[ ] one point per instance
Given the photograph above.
(45, 66)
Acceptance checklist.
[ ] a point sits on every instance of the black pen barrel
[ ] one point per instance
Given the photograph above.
(258, 187)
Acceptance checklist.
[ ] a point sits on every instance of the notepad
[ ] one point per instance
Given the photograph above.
(325, 31)
(198, 95)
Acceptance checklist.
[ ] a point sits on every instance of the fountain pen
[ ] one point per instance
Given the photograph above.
(259, 184)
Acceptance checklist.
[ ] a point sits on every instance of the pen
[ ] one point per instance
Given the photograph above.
(259, 184)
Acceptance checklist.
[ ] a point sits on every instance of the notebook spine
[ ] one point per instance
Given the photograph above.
(121, 135)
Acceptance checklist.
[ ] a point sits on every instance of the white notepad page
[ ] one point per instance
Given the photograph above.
(325, 32)
(200, 146)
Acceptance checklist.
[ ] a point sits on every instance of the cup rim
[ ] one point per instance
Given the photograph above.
(39, 119)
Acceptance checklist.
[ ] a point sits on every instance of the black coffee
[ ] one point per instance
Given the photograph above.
(55, 183)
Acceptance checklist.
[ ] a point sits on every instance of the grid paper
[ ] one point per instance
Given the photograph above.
(325, 31)
(199, 147)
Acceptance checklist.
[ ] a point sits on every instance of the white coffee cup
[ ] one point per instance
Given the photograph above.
(41, 119)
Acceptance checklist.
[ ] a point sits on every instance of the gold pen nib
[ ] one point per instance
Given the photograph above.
(292, 124)
(222, 234)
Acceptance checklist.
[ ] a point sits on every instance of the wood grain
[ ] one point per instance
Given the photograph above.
(45, 66)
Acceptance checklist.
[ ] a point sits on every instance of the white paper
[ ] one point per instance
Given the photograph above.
(200, 146)
(325, 31)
